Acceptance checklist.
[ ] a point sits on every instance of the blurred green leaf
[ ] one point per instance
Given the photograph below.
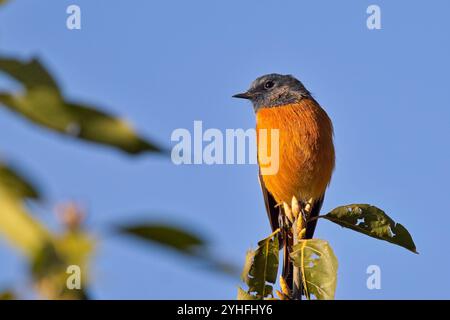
(318, 266)
(13, 182)
(49, 265)
(3, 1)
(373, 222)
(166, 235)
(46, 261)
(30, 74)
(43, 104)
(182, 241)
(7, 295)
(19, 227)
(261, 267)
(76, 247)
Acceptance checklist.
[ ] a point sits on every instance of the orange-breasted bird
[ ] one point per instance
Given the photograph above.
(306, 150)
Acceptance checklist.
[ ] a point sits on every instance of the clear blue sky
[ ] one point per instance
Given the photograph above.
(164, 64)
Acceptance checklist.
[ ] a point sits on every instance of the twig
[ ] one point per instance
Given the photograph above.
(298, 234)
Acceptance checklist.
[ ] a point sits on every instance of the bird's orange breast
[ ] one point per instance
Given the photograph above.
(306, 151)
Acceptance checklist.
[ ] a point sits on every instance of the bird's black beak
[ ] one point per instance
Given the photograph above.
(244, 95)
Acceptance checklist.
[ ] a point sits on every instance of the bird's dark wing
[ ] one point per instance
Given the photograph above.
(273, 212)
(315, 211)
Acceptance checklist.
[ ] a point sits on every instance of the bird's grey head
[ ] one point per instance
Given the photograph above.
(274, 90)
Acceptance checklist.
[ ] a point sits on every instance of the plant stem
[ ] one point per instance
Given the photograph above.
(298, 234)
(297, 273)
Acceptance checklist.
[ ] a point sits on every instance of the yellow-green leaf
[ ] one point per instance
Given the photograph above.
(45, 108)
(166, 235)
(183, 241)
(19, 226)
(49, 266)
(318, 266)
(244, 295)
(249, 257)
(373, 222)
(13, 182)
(7, 295)
(30, 74)
(261, 267)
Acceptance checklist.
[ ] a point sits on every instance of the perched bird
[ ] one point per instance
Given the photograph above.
(306, 150)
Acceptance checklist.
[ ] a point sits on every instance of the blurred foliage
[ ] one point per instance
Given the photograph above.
(43, 103)
(7, 295)
(180, 240)
(373, 222)
(167, 235)
(20, 227)
(48, 253)
(50, 265)
(12, 182)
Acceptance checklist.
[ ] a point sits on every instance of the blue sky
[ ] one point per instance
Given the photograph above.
(164, 64)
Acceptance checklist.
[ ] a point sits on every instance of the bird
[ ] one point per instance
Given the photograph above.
(306, 151)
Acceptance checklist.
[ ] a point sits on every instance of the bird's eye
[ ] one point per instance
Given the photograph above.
(269, 84)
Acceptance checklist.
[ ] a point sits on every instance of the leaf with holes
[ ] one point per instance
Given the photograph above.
(318, 266)
(373, 222)
(261, 267)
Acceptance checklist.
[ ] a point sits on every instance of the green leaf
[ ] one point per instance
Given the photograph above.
(43, 104)
(49, 265)
(261, 267)
(14, 183)
(249, 257)
(166, 235)
(373, 222)
(31, 74)
(19, 227)
(46, 261)
(318, 266)
(182, 241)
(8, 294)
(244, 295)
(43, 107)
